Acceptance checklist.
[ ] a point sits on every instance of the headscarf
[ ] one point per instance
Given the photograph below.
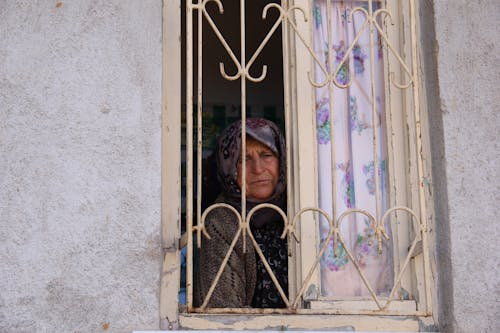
(228, 153)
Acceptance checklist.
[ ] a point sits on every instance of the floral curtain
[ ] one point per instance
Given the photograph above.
(352, 134)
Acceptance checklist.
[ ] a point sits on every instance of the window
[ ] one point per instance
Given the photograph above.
(337, 57)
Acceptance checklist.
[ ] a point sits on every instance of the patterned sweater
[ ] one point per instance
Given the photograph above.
(244, 281)
(237, 282)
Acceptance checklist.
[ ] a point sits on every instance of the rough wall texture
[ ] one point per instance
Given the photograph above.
(80, 112)
(80, 92)
(468, 71)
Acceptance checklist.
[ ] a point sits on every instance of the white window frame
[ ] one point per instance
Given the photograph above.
(304, 189)
(403, 168)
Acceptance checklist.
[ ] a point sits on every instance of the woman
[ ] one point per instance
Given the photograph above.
(245, 281)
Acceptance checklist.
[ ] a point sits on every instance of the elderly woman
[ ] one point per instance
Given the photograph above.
(245, 281)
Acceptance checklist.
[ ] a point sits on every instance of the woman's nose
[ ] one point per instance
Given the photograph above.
(257, 166)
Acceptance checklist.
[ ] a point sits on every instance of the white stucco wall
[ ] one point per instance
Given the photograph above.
(468, 185)
(80, 112)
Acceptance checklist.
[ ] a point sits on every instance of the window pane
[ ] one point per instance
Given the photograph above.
(358, 134)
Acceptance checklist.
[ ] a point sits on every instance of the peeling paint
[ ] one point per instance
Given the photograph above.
(298, 322)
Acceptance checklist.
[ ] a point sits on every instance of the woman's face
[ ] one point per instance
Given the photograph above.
(262, 169)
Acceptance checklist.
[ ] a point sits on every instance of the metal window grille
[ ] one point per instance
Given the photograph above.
(289, 18)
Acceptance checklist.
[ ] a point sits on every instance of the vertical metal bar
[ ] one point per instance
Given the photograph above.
(331, 105)
(199, 135)
(243, 114)
(418, 134)
(286, 103)
(392, 152)
(189, 153)
(374, 124)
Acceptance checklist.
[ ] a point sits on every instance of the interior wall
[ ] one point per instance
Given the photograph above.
(80, 135)
(216, 88)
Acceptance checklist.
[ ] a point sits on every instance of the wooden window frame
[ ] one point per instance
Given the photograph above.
(171, 317)
(403, 169)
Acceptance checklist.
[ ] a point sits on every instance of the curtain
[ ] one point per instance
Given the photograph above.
(352, 134)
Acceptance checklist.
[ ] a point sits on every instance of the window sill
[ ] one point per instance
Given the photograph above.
(306, 322)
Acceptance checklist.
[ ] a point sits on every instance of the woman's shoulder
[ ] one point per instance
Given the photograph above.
(222, 219)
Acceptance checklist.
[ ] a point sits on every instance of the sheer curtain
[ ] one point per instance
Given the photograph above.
(352, 134)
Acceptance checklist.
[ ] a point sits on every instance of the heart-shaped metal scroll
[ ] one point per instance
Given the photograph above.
(243, 230)
(334, 232)
(201, 228)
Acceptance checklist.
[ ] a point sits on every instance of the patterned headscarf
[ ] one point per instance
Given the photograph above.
(228, 153)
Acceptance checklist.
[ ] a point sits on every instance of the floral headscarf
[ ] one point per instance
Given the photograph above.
(228, 153)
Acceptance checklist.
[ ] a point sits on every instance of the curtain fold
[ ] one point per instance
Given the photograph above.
(352, 134)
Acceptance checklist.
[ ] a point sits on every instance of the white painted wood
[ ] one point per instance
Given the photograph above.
(171, 162)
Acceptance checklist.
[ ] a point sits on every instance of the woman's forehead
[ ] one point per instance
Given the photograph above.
(253, 144)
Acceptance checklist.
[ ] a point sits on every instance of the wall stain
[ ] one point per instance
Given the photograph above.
(153, 249)
(105, 109)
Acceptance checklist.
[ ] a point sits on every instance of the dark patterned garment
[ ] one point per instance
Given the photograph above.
(266, 295)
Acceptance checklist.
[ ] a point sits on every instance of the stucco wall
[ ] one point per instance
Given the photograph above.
(80, 94)
(80, 112)
(467, 158)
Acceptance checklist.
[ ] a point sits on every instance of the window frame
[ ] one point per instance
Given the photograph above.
(171, 317)
(403, 169)
(171, 165)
